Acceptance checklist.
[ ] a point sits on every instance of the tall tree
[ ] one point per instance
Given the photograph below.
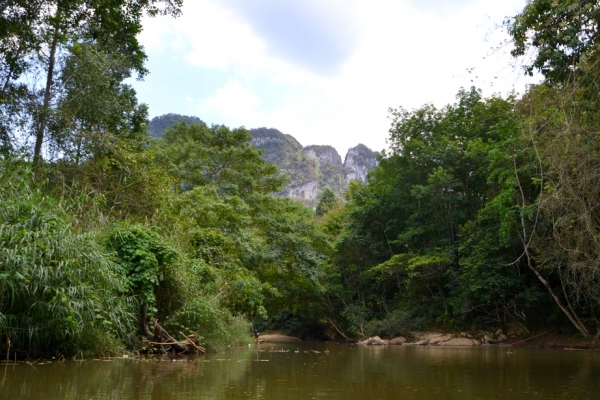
(560, 120)
(226, 211)
(562, 34)
(55, 26)
(17, 43)
(199, 155)
(417, 242)
(94, 107)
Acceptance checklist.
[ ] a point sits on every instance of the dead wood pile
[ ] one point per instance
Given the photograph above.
(162, 341)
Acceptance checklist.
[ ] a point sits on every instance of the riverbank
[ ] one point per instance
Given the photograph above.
(551, 339)
(278, 337)
(542, 339)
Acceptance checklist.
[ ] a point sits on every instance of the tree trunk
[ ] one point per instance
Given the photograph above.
(39, 139)
(526, 240)
(571, 315)
(144, 321)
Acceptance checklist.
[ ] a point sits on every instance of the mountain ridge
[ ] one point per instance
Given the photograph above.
(311, 169)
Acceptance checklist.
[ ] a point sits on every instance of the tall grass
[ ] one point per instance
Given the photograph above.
(60, 292)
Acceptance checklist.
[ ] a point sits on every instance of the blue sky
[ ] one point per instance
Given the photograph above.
(324, 71)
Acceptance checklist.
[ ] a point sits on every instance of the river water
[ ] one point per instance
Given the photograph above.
(316, 371)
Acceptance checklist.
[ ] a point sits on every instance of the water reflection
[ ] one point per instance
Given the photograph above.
(293, 371)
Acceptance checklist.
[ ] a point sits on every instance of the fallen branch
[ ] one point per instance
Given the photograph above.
(330, 320)
(200, 349)
(169, 343)
(161, 334)
(533, 337)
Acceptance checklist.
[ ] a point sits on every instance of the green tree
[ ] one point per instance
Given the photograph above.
(43, 32)
(563, 245)
(199, 155)
(144, 259)
(559, 118)
(267, 249)
(417, 245)
(562, 33)
(94, 109)
(327, 202)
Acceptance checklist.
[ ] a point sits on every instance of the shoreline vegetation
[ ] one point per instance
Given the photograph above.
(482, 217)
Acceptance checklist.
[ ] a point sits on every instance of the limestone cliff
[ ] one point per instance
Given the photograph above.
(330, 168)
(285, 152)
(313, 168)
(359, 160)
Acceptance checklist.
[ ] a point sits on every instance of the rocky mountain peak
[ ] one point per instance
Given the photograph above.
(323, 155)
(269, 137)
(358, 162)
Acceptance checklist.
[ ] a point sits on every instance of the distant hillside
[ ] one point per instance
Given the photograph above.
(158, 125)
(311, 169)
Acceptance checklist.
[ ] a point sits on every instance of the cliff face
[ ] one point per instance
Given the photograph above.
(311, 169)
(324, 155)
(330, 168)
(285, 152)
(305, 193)
(359, 160)
(274, 143)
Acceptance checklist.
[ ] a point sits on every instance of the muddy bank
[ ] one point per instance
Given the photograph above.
(276, 337)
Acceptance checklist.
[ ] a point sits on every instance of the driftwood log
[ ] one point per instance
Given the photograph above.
(162, 338)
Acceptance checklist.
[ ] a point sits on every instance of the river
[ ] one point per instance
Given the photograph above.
(316, 371)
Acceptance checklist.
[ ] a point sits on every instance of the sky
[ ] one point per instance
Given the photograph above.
(325, 71)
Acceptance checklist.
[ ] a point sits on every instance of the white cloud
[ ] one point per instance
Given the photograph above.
(403, 57)
(154, 34)
(313, 34)
(217, 39)
(440, 7)
(234, 102)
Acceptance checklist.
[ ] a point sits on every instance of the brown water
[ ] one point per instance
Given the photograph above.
(345, 372)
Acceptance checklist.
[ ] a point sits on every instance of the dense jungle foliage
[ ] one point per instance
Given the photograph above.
(483, 213)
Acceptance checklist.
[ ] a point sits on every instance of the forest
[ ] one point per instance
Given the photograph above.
(481, 214)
